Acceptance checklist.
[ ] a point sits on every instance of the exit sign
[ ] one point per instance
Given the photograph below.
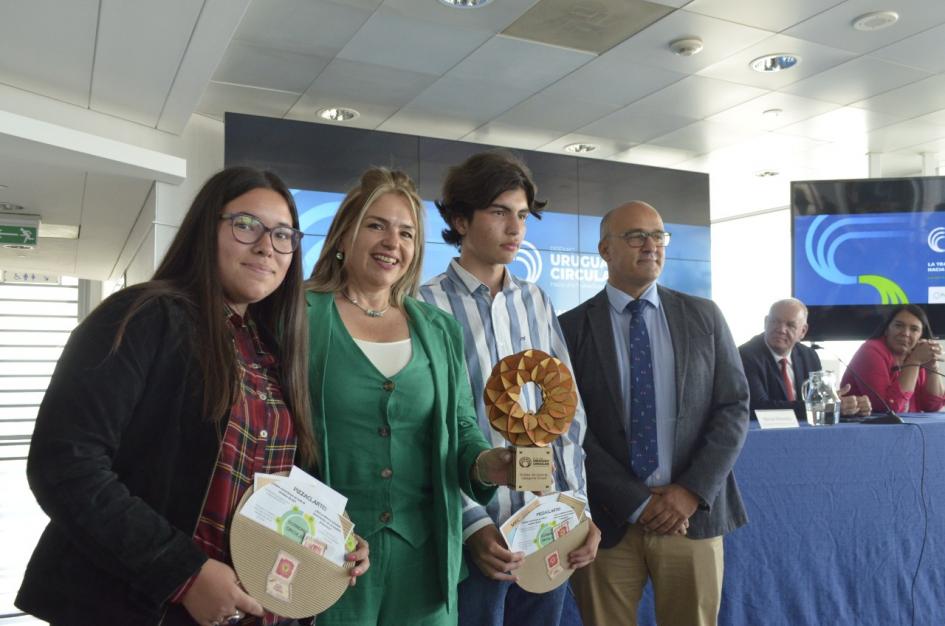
(18, 235)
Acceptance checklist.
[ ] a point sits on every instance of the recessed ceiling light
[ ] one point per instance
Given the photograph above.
(877, 20)
(766, 173)
(775, 62)
(465, 4)
(686, 47)
(338, 114)
(773, 112)
(580, 148)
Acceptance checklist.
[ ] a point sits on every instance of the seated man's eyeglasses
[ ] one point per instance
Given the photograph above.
(637, 238)
(248, 229)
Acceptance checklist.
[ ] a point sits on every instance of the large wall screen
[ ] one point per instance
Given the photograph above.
(322, 162)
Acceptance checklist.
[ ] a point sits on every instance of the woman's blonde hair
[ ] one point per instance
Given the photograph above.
(329, 274)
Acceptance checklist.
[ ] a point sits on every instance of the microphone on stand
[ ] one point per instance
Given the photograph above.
(889, 417)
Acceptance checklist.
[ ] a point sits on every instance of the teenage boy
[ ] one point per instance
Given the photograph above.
(485, 203)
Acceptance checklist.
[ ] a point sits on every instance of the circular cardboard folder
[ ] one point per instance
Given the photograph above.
(533, 574)
(317, 584)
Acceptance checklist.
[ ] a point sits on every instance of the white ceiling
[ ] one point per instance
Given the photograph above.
(416, 66)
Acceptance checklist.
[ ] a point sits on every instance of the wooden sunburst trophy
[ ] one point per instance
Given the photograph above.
(531, 434)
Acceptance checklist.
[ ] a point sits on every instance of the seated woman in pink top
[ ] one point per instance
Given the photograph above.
(900, 361)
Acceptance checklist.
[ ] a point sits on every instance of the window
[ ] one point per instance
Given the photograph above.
(35, 322)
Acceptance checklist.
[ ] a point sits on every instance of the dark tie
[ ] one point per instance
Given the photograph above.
(788, 387)
(644, 454)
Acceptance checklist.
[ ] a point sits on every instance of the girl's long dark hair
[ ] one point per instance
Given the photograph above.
(189, 272)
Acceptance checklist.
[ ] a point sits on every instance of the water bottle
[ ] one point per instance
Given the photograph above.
(820, 399)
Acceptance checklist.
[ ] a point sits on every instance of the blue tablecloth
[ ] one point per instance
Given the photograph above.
(847, 526)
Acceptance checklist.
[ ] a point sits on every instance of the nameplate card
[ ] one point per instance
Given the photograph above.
(777, 418)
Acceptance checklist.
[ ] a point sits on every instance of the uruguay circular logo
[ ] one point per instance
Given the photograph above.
(935, 239)
(529, 256)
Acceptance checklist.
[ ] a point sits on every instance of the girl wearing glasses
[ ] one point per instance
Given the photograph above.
(392, 408)
(166, 401)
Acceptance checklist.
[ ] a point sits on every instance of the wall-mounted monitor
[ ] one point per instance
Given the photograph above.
(861, 247)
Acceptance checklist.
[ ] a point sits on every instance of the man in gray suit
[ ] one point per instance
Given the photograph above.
(667, 414)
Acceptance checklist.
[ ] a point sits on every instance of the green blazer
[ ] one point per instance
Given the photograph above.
(456, 434)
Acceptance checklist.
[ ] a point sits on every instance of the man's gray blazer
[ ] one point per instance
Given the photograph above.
(711, 420)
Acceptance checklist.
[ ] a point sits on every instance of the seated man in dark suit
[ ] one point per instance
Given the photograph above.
(777, 364)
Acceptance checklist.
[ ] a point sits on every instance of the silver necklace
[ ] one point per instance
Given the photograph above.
(368, 312)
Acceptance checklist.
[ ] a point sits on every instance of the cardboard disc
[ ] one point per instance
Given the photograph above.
(534, 576)
(318, 583)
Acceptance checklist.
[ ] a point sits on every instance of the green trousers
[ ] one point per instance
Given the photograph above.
(401, 587)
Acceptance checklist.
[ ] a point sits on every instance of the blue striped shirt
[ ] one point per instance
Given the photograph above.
(518, 318)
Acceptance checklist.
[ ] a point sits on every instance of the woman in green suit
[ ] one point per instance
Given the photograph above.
(392, 408)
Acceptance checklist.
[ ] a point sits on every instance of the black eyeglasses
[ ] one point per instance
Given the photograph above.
(637, 238)
(248, 229)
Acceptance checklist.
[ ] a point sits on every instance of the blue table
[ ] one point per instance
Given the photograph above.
(847, 526)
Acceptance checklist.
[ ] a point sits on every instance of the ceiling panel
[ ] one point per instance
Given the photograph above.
(773, 16)
(511, 135)
(840, 125)
(387, 38)
(412, 121)
(834, 27)
(720, 38)
(56, 256)
(702, 137)
(656, 156)
(792, 109)
(137, 54)
(630, 125)
(519, 63)
(904, 135)
(54, 193)
(611, 80)
(557, 115)
(696, 97)
(814, 58)
(936, 117)
(923, 50)
(110, 208)
(919, 98)
(861, 78)
(595, 26)
(350, 83)
(494, 17)
(677, 4)
(317, 27)
(214, 30)
(220, 98)
(270, 68)
(766, 151)
(477, 101)
(51, 57)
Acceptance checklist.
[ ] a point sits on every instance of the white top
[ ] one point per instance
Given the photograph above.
(389, 357)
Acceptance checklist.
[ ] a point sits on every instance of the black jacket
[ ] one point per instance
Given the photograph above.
(765, 387)
(120, 461)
